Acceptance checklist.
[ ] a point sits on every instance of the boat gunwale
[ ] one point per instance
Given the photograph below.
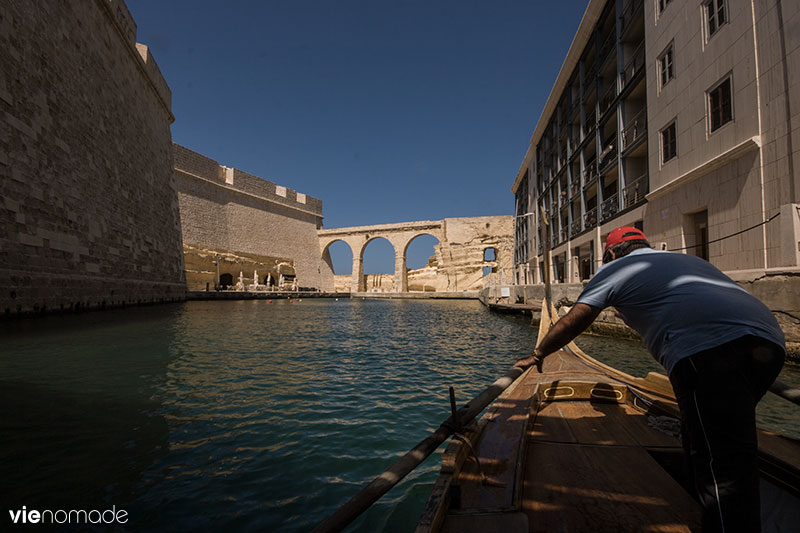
(660, 399)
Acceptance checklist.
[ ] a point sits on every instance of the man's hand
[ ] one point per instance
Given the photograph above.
(570, 326)
(534, 360)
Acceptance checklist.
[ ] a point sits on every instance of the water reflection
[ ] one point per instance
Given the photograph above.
(79, 422)
(247, 415)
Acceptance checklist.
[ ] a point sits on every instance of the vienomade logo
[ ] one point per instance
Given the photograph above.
(109, 516)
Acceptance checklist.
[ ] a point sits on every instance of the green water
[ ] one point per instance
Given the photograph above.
(250, 415)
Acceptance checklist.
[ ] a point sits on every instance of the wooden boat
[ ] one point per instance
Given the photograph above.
(585, 447)
(513, 309)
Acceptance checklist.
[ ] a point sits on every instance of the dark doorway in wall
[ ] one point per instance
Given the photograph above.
(695, 233)
(701, 234)
(225, 281)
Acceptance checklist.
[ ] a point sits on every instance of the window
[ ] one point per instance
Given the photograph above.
(720, 105)
(715, 15)
(666, 66)
(669, 143)
(662, 5)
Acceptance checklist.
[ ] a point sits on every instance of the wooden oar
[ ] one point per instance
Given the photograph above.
(348, 511)
(785, 391)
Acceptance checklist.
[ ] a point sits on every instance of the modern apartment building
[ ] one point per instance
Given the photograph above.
(680, 117)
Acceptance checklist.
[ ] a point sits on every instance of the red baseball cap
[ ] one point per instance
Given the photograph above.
(625, 233)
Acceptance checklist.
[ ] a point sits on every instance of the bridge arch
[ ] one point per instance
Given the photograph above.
(398, 235)
(393, 244)
(462, 242)
(327, 259)
(403, 278)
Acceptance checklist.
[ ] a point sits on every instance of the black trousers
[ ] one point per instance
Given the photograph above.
(717, 392)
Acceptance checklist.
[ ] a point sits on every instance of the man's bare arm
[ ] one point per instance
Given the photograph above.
(570, 326)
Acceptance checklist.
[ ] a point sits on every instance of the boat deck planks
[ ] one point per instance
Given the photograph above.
(574, 487)
(499, 451)
(546, 454)
(577, 448)
(597, 424)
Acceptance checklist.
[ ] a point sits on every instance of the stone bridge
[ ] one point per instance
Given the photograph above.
(462, 245)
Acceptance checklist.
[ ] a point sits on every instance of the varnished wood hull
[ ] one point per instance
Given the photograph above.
(584, 447)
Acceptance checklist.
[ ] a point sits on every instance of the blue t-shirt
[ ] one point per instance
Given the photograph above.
(679, 304)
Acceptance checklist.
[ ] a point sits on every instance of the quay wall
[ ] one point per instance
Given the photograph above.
(88, 204)
(227, 212)
(780, 291)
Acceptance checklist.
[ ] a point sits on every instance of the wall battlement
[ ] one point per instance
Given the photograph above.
(118, 14)
(155, 76)
(123, 19)
(87, 188)
(198, 165)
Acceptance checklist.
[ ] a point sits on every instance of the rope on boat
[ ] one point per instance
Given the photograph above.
(456, 428)
(485, 480)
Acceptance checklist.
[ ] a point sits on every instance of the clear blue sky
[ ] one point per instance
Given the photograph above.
(387, 111)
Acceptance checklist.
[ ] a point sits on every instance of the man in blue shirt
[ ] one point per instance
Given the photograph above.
(721, 347)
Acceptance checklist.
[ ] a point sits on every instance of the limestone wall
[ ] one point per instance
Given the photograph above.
(470, 252)
(87, 199)
(228, 211)
(747, 170)
(460, 258)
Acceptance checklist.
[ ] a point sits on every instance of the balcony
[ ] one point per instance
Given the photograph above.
(563, 234)
(590, 218)
(635, 192)
(629, 13)
(589, 76)
(633, 67)
(609, 155)
(636, 129)
(609, 208)
(589, 174)
(608, 45)
(575, 228)
(574, 189)
(590, 86)
(589, 124)
(608, 97)
(573, 144)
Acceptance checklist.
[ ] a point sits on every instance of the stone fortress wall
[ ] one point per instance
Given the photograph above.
(244, 222)
(100, 208)
(88, 204)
